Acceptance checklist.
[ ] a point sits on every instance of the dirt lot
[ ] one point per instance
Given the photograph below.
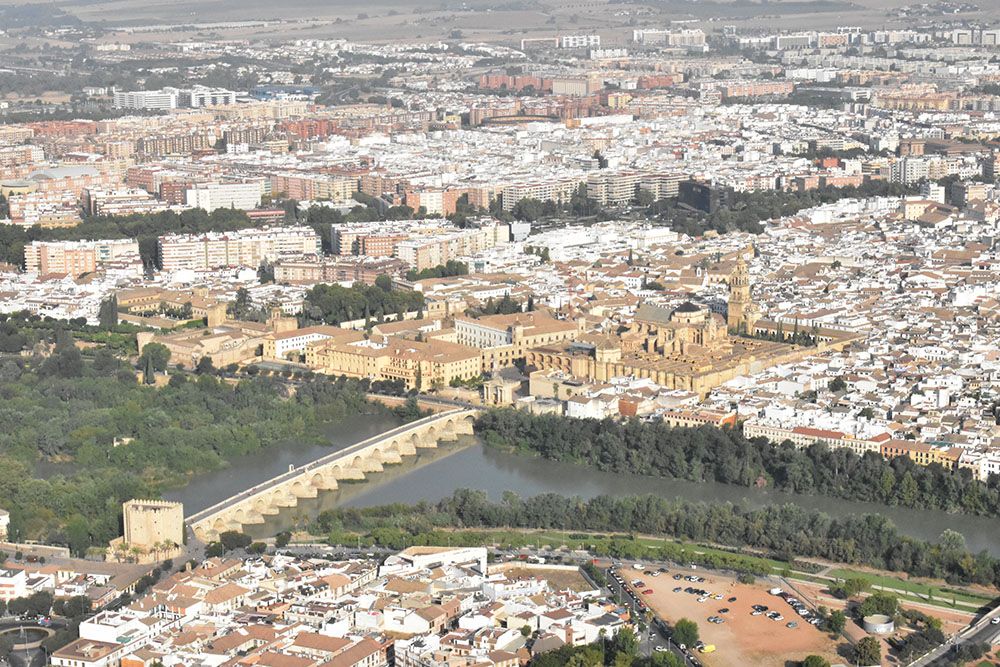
(743, 639)
(559, 579)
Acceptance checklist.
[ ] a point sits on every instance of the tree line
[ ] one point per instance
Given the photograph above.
(333, 304)
(786, 532)
(746, 211)
(708, 453)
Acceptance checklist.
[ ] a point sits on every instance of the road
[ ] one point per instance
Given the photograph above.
(655, 637)
(982, 631)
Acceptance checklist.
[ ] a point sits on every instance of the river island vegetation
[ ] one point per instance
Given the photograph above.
(724, 455)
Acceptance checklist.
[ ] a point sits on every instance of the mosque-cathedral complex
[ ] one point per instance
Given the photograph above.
(689, 347)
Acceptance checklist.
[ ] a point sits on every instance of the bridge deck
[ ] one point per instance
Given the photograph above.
(323, 460)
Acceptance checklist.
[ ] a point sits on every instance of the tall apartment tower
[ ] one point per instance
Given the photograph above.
(741, 314)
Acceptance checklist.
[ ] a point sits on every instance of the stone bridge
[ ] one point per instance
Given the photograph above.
(324, 474)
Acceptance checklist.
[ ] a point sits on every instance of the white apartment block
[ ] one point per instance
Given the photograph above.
(248, 247)
(579, 41)
(235, 194)
(76, 257)
(201, 96)
(429, 251)
(610, 188)
(558, 190)
(150, 100)
(171, 98)
(661, 186)
(653, 37)
(120, 202)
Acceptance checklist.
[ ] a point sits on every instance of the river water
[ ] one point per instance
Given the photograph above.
(435, 474)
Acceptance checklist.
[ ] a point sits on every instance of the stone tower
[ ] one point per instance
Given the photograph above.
(740, 314)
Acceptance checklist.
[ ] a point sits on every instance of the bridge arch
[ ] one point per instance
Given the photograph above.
(219, 526)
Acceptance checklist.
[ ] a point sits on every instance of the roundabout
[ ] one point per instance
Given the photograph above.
(26, 637)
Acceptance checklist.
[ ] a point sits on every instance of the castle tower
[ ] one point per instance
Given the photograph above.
(739, 314)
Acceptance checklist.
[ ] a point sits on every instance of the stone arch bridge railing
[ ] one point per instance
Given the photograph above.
(351, 463)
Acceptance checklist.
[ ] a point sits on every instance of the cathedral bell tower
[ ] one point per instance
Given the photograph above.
(740, 313)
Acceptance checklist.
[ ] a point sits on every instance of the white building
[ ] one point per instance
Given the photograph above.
(150, 100)
(13, 584)
(201, 96)
(247, 247)
(579, 41)
(244, 195)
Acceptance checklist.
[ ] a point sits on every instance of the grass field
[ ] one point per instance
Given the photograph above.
(938, 595)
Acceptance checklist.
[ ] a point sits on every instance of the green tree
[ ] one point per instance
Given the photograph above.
(952, 542)
(815, 661)
(107, 314)
(685, 632)
(232, 539)
(837, 621)
(868, 652)
(155, 356)
(78, 534)
(77, 606)
(625, 643)
(879, 602)
(205, 366)
(148, 374)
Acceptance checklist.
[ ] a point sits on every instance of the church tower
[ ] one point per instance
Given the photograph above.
(739, 315)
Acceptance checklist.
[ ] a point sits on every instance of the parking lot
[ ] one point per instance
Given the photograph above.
(740, 633)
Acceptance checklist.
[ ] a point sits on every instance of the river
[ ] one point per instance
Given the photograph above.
(435, 474)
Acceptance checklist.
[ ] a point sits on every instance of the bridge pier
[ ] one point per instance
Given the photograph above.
(347, 473)
(304, 490)
(284, 499)
(370, 464)
(390, 457)
(324, 482)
